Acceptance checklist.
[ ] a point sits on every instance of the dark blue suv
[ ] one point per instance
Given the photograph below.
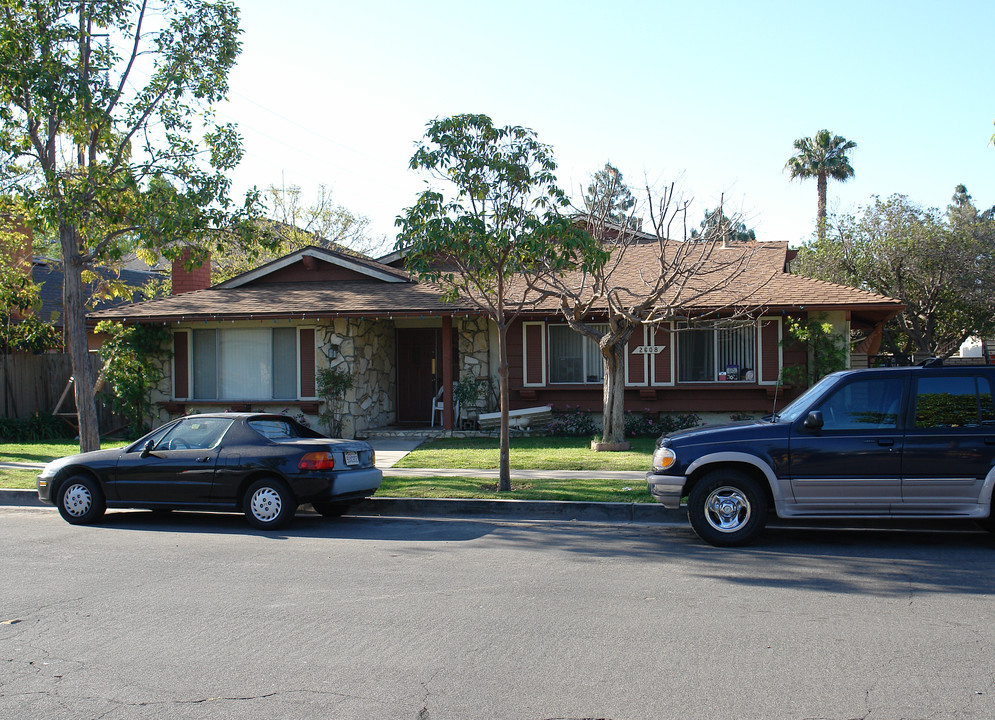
(913, 442)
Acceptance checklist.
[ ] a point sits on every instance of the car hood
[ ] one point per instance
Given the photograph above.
(728, 432)
(97, 456)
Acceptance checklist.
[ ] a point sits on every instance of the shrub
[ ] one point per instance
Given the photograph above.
(36, 427)
(651, 424)
(572, 423)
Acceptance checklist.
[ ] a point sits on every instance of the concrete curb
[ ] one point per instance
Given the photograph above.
(496, 509)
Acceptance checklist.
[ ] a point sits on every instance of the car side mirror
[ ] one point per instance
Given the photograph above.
(814, 421)
(147, 450)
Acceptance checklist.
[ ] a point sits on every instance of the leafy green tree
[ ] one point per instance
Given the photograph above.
(716, 224)
(109, 136)
(490, 227)
(292, 225)
(941, 268)
(823, 157)
(608, 196)
(136, 358)
(827, 351)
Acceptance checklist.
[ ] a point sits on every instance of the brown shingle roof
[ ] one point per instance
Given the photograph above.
(767, 284)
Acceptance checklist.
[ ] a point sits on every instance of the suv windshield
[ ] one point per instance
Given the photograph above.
(800, 404)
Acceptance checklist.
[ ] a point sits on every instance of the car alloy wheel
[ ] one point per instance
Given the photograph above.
(727, 509)
(77, 500)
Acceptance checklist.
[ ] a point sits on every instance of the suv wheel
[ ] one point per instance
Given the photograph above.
(727, 508)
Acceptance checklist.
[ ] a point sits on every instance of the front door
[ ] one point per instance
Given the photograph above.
(419, 357)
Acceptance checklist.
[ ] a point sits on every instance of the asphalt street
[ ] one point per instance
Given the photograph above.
(191, 615)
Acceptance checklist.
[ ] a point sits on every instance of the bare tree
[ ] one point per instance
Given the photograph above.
(654, 277)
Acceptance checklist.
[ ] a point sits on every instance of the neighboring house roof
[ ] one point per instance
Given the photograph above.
(48, 274)
(316, 282)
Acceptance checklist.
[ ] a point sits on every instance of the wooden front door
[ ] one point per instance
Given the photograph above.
(419, 358)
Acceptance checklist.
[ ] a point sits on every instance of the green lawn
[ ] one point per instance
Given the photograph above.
(37, 452)
(532, 453)
(587, 490)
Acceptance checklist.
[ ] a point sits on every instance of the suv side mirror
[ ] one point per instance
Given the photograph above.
(147, 450)
(814, 421)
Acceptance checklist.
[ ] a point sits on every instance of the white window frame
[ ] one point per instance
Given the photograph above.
(715, 360)
(671, 348)
(597, 383)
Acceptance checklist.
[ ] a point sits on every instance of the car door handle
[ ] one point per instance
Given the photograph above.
(886, 442)
(204, 459)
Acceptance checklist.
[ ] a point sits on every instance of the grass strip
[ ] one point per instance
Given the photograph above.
(532, 453)
(576, 489)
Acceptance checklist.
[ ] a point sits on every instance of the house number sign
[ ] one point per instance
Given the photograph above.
(649, 349)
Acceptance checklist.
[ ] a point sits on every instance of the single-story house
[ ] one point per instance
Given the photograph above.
(258, 340)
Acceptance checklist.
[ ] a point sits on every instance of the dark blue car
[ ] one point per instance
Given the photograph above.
(914, 442)
(262, 465)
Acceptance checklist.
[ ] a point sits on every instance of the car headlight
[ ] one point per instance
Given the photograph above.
(663, 458)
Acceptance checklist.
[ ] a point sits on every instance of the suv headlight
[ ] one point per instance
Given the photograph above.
(663, 458)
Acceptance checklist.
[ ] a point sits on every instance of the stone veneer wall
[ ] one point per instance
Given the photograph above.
(474, 361)
(368, 349)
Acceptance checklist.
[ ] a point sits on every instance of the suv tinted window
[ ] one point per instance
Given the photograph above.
(953, 402)
(866, 404)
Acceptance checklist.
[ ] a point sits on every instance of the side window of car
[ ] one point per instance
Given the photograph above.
(871, 403)
(274, 429)
(194, 433)
(961, 401)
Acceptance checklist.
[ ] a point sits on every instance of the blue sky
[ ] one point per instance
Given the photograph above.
(710, 95)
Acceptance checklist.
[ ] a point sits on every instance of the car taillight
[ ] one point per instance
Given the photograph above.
(317, 461)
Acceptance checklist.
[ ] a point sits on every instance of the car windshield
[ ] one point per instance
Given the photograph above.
(794, 409)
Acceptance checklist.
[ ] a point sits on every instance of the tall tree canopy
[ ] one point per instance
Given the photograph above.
(109, 137)
(823, 157)
(941, 267)
(716, 224)
(608, 196)
(489, 226)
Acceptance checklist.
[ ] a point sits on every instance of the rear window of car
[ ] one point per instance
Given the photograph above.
(275, 429)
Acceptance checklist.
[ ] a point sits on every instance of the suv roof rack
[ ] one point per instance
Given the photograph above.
(931, 362)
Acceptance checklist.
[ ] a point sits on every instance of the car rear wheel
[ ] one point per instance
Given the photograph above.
(727, 508)
(80, 500)
(269, 504)
(330, 509)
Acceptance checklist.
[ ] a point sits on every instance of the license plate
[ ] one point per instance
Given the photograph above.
(352, 458)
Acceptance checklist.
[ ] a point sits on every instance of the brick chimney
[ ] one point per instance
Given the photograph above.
(186, 280)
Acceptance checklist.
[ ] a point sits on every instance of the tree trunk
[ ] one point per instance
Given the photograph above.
(821, 219)
(504, 473)
(75, 323)
(613, 414)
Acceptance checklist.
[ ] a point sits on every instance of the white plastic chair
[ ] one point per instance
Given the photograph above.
(439, 406)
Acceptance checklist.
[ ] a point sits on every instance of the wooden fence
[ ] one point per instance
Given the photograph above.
(32, 384)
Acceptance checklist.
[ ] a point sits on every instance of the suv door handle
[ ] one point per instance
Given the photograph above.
(990, 441)
(886, 442)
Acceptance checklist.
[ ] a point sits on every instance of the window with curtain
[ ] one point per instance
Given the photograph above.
(712, 354)
(245, 364)
(574, 358)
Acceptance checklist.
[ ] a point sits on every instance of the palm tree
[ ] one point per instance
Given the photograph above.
(822, 157)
